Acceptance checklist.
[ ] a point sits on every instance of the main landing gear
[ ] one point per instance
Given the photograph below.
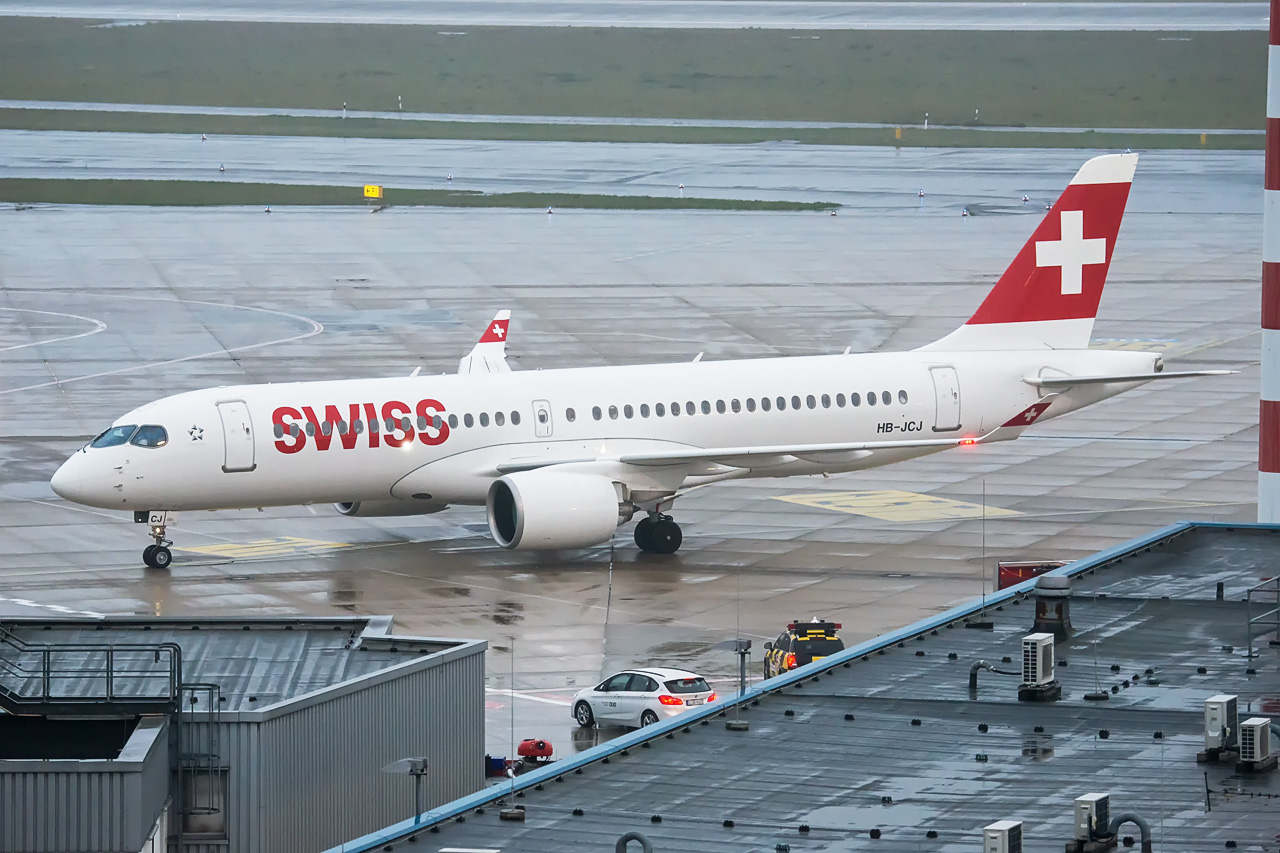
(157, 556)
(658, 534)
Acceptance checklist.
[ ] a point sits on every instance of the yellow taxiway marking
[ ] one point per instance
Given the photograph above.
(894, 505)
(282, 546)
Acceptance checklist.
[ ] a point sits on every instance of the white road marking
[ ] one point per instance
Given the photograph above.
(316, 328)
(98, 327)
(55, 608)
(520, 695)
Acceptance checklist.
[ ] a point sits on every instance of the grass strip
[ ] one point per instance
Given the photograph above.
(1039, 79)
(229, 193)
(912, 137)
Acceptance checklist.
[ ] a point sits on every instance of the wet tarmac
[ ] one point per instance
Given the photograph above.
(685, 14)
(105, 308)
(595, 121)
(865, 178)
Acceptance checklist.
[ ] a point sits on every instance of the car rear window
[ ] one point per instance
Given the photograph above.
(820, 648)
(688, 685)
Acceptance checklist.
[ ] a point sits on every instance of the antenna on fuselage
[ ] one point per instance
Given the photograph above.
(416, 371)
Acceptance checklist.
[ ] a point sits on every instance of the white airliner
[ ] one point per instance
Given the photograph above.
(561, 458)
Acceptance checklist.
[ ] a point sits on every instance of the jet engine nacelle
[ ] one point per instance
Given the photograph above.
(373, 509)
(546, 509)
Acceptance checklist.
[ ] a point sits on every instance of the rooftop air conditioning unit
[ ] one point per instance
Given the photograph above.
(1219, 721)
(1003, 836)
(1255, 739)
(1093, 816)
(1037, 659)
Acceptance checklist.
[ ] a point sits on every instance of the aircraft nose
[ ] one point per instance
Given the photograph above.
(73, 482)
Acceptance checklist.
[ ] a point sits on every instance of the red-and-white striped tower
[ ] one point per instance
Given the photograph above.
(1269, 408)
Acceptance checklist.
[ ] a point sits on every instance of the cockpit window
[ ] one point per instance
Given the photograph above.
(150, 435)
(115, 436)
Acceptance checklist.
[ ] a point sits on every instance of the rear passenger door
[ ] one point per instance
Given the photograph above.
(636, 699)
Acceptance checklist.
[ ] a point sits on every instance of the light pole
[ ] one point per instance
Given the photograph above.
(417, 768)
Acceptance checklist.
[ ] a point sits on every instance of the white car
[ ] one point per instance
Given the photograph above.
(641, 697)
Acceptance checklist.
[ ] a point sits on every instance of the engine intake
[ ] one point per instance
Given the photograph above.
(547, 509)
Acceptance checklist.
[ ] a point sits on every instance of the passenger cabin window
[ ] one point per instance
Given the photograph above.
(736, 405)
(660, 410)
(840, 400)
(467, 420)
(795, 402)
(886, 397)
(706, 407)
(628, 412)
(453, 421)
(689, 408)
(613, 413)
(484, 419)
(751, 404)
(720, 406)
(499, 419)
(570, 415)
(644, 410)
(871, 398)
(596, 413)
(764, 404)
(902, 397)
(826, 401)
(150, 435)
(811, 402)
(855, 399)
(515, 418)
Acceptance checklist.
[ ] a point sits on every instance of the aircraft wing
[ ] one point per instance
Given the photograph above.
(741, 457)
(744, 457)
(490, 354)
(1069, 381)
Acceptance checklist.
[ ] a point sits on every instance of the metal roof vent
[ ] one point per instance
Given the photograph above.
(1053, 606)
(1038, 681)
(1255, 744)
(1003, 836)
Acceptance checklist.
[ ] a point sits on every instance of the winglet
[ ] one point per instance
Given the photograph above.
(489, 355)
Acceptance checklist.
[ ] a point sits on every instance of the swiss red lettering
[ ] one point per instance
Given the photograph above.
(395, 411)
(288, 443)
(389, 429)
(429, 410)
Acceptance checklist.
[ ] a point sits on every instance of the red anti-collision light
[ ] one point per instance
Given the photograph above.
(670, 700)
(965, 442)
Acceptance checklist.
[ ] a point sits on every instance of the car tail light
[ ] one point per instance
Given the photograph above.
(711, 698)
(790, 662)
(670, 700)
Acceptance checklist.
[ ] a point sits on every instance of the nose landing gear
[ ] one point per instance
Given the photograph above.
(658, 534)
(157, 556)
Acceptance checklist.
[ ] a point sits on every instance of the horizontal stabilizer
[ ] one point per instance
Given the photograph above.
(1071, 381)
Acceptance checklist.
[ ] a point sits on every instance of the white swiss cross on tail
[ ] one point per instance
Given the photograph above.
(1072, 252)
(1049, 295)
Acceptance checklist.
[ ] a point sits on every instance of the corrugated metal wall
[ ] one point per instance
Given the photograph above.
(311, 779)
(322, 777)
(55, 809)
